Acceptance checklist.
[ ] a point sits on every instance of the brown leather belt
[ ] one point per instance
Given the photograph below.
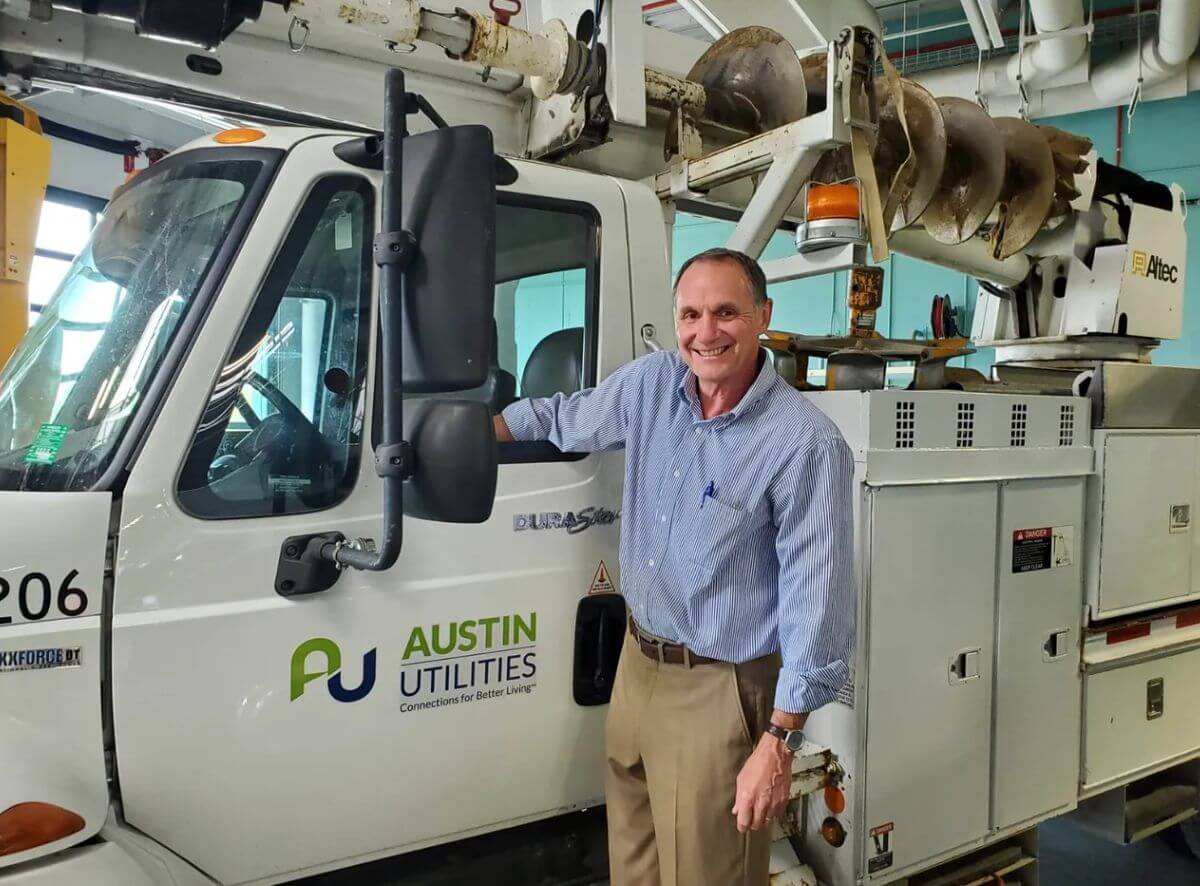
(663, 651)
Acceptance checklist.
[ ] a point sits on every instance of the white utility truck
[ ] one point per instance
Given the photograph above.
(226, 657)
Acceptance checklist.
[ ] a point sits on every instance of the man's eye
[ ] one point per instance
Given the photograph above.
(725, 313)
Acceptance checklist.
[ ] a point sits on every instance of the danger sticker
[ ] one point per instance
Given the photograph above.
(1047, 547)
(881, 839)
(602, 583)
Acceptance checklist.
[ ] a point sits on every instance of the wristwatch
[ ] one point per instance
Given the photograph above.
(792, 739)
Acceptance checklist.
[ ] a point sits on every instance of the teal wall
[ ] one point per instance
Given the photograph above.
(1164, 145)
(539, 306)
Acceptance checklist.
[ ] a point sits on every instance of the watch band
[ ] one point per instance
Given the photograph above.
(792, 738)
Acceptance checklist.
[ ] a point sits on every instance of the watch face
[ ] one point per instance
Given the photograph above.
(794, 740)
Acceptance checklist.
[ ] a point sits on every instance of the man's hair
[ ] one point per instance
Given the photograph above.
(753, 272)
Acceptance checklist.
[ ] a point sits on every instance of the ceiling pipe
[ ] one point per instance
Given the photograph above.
(1045, 58)
(1112, 83)
(1162, 56)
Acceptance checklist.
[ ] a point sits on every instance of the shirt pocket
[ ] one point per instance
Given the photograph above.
(712, 535)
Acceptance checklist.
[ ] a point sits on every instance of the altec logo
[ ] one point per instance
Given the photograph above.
(332, 655)
(1149, 265)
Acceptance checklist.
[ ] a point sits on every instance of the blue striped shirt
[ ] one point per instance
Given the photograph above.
(764, 562)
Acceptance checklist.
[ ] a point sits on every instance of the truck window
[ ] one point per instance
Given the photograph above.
(282, 430)
(546, 283)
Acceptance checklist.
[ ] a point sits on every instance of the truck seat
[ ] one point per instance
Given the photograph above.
(556, 365)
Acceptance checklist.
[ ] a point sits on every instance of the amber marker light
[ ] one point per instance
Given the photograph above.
(832, 201)
(238, 136)
(29, 825)
(833, 832)
(835, 800)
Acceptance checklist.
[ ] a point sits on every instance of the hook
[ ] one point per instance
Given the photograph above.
(292, 44)
(980, 98)
(1133, 103)
(1137, 89)
(395, 46)
(1024, 110)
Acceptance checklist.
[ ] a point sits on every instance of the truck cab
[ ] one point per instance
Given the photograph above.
(202, 387)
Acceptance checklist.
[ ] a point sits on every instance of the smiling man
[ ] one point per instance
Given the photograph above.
(736, 539)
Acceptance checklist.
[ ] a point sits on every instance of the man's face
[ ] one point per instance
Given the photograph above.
(717, 322)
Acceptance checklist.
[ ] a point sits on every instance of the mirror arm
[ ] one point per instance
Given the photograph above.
(394, 250)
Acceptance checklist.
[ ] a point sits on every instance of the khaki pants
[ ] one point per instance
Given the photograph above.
(676, 739)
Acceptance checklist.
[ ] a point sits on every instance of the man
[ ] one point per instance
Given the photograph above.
(736, 542)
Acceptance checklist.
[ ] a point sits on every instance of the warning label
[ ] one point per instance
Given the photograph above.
(1049, 547)
(881, 837)
(601, 583)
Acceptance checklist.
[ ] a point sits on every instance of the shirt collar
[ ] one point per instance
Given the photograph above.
(762, 383)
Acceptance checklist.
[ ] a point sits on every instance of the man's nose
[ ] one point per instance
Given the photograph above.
(708, 326)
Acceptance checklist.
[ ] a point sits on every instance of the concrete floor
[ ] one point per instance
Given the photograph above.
(1070, 856)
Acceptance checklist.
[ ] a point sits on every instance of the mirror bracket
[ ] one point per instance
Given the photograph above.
(395, 460)
(395, 248)
(306, 564)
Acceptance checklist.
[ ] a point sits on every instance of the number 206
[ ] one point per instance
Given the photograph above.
(35, 597)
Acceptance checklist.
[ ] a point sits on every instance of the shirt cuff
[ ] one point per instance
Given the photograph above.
(523, 422)
(802, 693)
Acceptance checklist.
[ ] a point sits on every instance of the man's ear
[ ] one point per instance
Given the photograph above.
(767, 309)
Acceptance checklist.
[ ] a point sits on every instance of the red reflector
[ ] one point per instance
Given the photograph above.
(1133, 632)
(1188, 619)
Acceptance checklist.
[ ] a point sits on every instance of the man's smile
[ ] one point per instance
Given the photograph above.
(709, 353)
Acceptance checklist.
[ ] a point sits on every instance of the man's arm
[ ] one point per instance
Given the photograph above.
(815, 543)
(503, 434)
(591, 420)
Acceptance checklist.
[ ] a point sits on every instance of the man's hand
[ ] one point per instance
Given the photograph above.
(763, 785)
(503, 434)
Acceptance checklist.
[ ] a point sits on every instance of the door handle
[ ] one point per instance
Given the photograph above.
(964, 665)
(1057, 645)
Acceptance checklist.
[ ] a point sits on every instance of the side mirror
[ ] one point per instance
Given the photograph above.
(454, 470)
(450, 209)
(436, 252)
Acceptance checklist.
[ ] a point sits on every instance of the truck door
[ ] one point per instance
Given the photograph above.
(259, 735)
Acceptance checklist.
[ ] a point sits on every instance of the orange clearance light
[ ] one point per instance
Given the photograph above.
(833, 832)
(238, 136)
(29, 825)
(832, 201)
(835, 800)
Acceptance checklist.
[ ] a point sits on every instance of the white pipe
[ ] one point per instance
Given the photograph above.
(1046, 58)
(1163, 55)
(1178, 30)
(1112, 82)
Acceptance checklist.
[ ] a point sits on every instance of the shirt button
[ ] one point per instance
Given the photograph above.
(663, 517)
(699, 430)
(649, 562)
(677, 473)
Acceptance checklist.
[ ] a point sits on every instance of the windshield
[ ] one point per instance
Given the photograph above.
(69, 391)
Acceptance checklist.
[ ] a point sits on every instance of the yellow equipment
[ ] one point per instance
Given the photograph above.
(24, 172)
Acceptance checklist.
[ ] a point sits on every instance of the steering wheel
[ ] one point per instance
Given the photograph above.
(288, 441)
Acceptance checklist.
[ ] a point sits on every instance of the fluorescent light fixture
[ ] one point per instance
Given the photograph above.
(705, 18)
